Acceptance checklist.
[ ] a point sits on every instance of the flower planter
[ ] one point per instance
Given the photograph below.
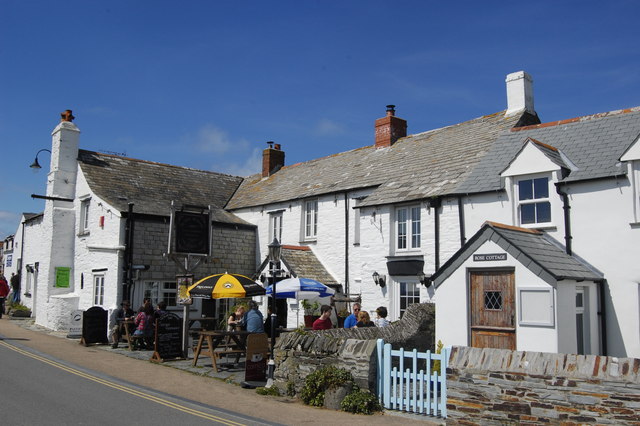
(309, 320)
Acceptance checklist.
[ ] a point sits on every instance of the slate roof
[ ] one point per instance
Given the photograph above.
(594, 144)
(536, 250)
(303, 263)
(152, 186)
(415, 167)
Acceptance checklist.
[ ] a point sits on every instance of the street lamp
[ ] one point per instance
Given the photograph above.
(35, 165)
(275, 249)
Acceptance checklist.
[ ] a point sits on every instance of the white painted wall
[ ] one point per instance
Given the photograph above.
(452, 315)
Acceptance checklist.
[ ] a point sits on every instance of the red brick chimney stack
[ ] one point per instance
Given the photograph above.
(390, 128)
(272, 159)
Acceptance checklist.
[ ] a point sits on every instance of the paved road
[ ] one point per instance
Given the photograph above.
(165, 380)
(38, 389)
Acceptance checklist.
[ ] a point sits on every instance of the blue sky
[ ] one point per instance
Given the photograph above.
(205, 84)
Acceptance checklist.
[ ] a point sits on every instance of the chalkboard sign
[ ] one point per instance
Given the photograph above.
(94, 327)
(168, 341)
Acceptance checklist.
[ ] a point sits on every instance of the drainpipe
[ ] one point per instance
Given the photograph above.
(21, 263)
(128, 254)
(603, 317)
(463, 239)
(436, 203)
(567, 219)
(346, 243)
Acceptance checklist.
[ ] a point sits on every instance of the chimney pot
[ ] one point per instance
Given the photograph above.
(391, 110)
(66, 116)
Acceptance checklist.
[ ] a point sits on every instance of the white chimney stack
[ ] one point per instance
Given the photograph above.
(519, 93)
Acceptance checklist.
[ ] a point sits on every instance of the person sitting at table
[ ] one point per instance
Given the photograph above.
(235, 318)
(144, 325)
(253, 321)
(161, 309)
(117, 327)
(267, 323)
(364, 320)
(324, 322)
(381, 320)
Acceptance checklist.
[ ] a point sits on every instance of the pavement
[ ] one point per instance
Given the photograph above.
(179, 377)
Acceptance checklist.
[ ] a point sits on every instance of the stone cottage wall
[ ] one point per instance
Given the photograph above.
(233, 250)
(298, 354)
(502, 386)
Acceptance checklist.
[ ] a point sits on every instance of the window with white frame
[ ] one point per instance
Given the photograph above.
(408, 228)
(98, 289)
(534, 206)
(157, 291)
(84, 215)
(408, 294)
(275, 226)
(310, 219)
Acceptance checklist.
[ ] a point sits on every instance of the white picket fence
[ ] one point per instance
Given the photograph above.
(410, 385)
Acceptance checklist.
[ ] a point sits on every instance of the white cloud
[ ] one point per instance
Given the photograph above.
(252, 164)
(326, 127)
(213, 139)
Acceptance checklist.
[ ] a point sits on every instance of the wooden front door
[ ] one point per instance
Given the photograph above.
(493, 309)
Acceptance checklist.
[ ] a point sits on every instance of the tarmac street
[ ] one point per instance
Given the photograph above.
(201, 389)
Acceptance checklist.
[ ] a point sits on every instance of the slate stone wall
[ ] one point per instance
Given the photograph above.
(233, 250)
(299, 354)
(501, 386)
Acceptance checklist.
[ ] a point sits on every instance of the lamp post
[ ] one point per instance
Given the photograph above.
(36, 165)
(274, 265)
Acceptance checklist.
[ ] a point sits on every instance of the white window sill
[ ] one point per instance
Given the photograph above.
(540, 226)
(83, 234)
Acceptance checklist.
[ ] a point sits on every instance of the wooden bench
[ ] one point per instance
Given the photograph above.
(213, 343)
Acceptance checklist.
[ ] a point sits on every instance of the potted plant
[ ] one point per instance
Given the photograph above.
(311, 312)
(342, 315)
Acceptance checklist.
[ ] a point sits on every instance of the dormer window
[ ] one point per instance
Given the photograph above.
(533, 201)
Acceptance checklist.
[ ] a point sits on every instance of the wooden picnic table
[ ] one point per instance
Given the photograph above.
(218, 344)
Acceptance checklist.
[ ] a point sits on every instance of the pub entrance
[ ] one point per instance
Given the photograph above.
(492, 296)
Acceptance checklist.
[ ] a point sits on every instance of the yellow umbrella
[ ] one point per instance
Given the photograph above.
(226, 285)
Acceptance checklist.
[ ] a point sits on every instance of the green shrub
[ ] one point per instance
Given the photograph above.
(17, 306)
(272, 391)
(320, 380)
(291, 389)
(436, 363)
(361, 402)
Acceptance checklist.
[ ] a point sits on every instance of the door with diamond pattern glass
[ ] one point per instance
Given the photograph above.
(493, 309)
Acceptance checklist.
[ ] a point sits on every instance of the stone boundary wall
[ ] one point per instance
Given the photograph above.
(502, 386)
(299, 354)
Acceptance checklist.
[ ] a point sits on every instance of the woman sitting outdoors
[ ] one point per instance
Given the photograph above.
(364, 320)
(144, 325)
